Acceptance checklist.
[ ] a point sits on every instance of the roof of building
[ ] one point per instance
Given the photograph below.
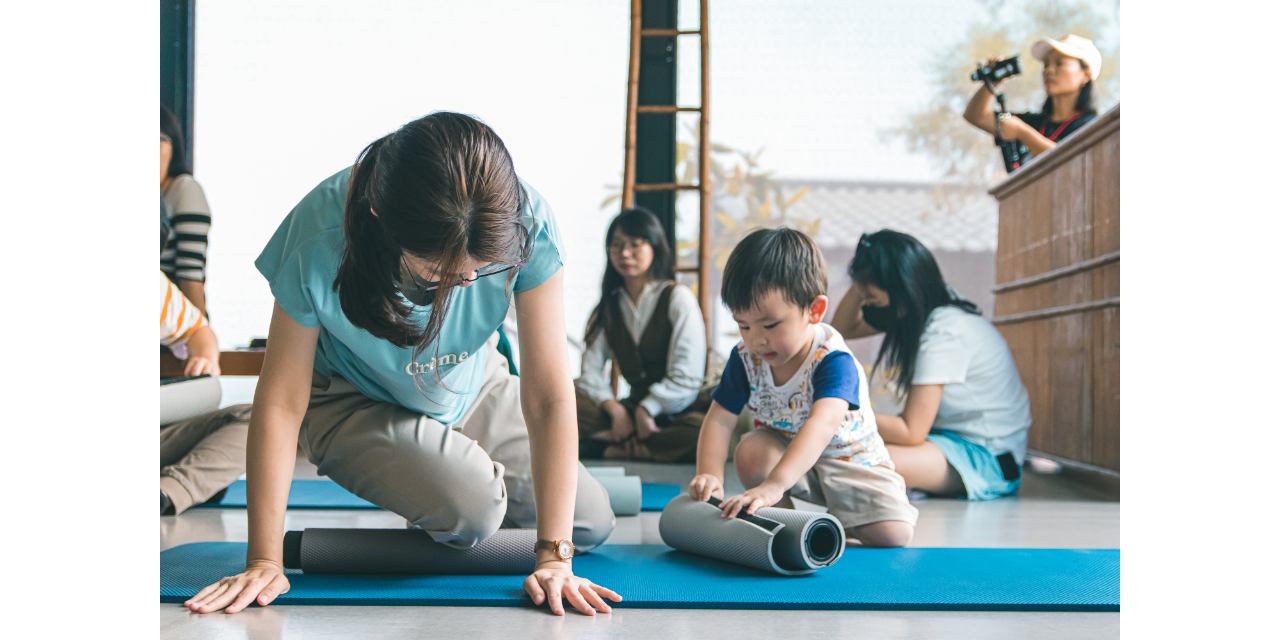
(942, 217)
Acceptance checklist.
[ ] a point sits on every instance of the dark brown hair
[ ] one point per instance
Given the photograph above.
(637, 223)
(444, 189)
(170, 126)
(908, 272)
(768, 259)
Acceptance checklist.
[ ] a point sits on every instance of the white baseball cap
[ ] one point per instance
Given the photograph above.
(1073, 46)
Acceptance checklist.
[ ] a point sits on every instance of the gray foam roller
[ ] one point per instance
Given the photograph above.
(781, 541)
(601, 472)
(188, 398)
(413, 552)
(625, 493)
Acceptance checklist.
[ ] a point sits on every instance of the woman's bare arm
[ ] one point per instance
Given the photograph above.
(279, 404)
(550, 409)
(917, 416)
(848, 316)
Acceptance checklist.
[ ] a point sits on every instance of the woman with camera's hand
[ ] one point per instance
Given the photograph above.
(1070, 67)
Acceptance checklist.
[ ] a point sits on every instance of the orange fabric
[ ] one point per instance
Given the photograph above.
(164, 310)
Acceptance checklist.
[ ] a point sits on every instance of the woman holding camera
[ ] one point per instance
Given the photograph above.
(1070, 67)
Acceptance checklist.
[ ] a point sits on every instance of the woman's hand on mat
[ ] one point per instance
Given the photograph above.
(704, 486)
(554, 580)
(765, 495)
(261, 581)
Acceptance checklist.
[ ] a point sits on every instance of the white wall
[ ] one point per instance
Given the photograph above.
(288, 92)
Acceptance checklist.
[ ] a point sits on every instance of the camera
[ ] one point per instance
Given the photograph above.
(997, 72)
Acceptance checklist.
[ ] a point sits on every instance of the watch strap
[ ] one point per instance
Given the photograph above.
(552, 546)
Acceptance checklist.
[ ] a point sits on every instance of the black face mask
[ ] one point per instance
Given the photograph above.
(880, 318)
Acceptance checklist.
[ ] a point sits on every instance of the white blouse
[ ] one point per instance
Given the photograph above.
(686, 355)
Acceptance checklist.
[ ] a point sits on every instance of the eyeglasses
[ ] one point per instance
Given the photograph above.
(425, 291)
(633, 244)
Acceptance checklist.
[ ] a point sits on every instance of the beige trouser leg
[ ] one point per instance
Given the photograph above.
(200, 456)
(459, 484)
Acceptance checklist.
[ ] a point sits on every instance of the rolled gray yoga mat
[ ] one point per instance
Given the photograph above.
(783, 541)
(182, 398)
(625, 493)
(407, 552)
(602, 472)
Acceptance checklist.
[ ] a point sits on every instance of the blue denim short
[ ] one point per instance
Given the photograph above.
(978, 467)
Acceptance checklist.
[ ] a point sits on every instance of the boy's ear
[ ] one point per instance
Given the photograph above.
(817, 309)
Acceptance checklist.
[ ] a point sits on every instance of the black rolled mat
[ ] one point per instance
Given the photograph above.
(406, 552)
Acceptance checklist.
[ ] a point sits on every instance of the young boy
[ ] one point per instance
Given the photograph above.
(814, 434)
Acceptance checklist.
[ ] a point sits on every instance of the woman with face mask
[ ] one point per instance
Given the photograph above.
(1070, 67)
(963, 429)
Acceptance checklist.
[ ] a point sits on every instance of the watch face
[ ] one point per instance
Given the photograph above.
(565, 549)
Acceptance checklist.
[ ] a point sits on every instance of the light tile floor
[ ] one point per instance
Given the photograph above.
(1067, 510)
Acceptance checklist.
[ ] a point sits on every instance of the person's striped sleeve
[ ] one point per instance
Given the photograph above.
(185, 254)
(179, 319)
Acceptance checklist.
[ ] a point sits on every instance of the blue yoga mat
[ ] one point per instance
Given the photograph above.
(657, 577)
(654, 497)
(303, 494)
(326, 494)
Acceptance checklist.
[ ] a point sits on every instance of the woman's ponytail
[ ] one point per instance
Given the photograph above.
(370, 261)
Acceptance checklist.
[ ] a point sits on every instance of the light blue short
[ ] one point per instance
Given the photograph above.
(983, 479)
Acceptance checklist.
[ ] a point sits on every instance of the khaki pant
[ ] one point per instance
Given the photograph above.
(854, 494)
(200, 456)
(459, 484)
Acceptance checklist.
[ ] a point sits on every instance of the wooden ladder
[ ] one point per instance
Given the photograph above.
(629, 186)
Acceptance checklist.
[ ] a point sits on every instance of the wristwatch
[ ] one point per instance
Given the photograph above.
(562, 548)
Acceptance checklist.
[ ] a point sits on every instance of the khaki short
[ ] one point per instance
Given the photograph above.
(856, 494)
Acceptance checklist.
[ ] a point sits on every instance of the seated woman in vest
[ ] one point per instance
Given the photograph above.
(651, 329)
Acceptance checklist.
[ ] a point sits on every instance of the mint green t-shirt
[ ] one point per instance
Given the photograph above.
(301, 261)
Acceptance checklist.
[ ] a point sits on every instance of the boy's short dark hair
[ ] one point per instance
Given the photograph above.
(768, 259)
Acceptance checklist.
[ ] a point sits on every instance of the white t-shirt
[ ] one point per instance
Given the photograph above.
(831, 371)
(983, 399)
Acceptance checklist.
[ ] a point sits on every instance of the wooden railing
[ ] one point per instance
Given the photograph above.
(1058, 292)
(232, 363)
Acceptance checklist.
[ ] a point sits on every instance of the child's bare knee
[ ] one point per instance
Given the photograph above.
(752, 456)
(885, 534)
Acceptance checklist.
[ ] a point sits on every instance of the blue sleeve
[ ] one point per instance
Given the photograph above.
(734, 389)
(548, 252)
(837, 377)
(284, 270)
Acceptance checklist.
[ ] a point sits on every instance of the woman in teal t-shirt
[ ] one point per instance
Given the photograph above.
(390, 279)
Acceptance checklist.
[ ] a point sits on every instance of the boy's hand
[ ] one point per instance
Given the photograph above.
(704, 486)
(200, 365)
(765, 495)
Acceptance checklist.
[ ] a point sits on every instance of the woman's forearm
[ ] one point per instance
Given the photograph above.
(549, 407)
(553, 445)
(848, 317)
(270, 453)
(1035, 142)
(279, 405)
(893, 430)
(978, 112)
